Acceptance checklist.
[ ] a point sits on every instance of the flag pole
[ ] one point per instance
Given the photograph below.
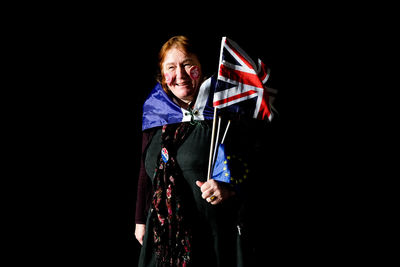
(210, 160)
(216, 143)
(226, 130)
(211, 145)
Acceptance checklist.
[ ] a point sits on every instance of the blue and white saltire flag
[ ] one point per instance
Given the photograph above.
(159, 109)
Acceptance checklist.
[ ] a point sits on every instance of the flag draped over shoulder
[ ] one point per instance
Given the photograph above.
(159, 109)
(241, 83)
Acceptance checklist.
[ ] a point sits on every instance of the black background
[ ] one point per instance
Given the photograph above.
(300, 208)
(98, 66)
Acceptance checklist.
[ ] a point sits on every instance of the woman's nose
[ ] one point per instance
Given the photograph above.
(181, 73)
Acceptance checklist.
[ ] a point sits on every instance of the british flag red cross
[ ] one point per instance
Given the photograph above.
(240, 79)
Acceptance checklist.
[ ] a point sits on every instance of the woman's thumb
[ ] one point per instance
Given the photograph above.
(199, 184)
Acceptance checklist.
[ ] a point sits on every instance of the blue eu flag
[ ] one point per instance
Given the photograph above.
(221, 171)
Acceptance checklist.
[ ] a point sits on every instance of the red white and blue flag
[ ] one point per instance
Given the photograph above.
(241, 83)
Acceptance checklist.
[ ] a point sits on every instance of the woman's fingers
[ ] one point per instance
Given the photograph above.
(204, 185)
(211, 191)
(214, 199)
(207, 188)
(208, 193)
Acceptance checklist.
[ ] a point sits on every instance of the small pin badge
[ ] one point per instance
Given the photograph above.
(164, 154)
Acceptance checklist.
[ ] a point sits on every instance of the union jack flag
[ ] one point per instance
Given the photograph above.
(241, 83)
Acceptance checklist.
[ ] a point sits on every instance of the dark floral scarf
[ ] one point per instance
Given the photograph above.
(172, 236)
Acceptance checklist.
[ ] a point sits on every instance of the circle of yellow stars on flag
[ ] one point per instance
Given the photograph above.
(239, 169)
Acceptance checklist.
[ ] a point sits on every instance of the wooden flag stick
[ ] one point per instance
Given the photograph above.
(212, 145)
(226, 130)
(216, 143)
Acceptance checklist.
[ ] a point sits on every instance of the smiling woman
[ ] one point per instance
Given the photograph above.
(182, 218)
(181, 73)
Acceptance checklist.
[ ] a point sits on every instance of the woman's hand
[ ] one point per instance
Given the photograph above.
(140, 230)
(214, 192)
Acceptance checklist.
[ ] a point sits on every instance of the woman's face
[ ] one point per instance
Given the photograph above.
(182, 74)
